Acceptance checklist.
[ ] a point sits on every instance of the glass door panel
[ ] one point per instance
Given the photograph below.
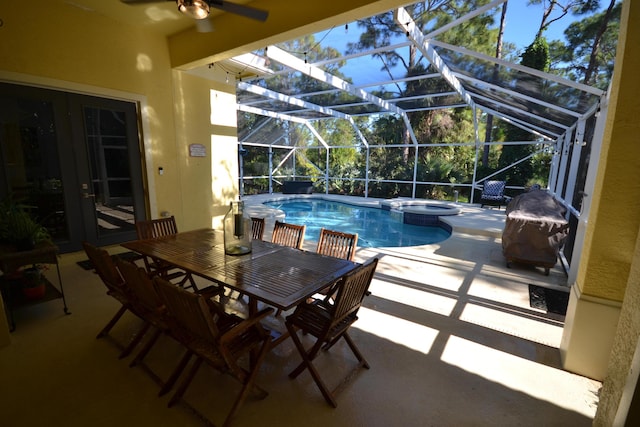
(29, 150)
(108, 148)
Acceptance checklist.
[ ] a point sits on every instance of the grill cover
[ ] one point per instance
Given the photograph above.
(535, 229)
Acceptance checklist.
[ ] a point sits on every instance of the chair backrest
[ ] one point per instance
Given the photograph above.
(337, 244)
(188, 310)
(286, 234)
(154, 228)
(104, 266)
(352, 290)
(140, 284)
(493, 188)
(257, 228)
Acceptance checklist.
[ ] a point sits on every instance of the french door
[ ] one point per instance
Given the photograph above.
(74, 161)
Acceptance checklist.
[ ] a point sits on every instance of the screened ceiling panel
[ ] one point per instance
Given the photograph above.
(307, 114)
(281, 107)
(522, 104)
(265, 131)
(272, 132)
(535, 124)
(295, 84)
(421, 103)
(332, 99)
(545, 90)
(360, 109)
(370, 83)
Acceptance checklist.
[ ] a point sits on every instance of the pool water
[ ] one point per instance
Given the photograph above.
(375, 227)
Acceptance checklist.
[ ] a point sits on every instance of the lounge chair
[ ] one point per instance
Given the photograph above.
(493, 194)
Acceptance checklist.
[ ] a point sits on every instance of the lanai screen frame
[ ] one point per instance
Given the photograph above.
(569, 122)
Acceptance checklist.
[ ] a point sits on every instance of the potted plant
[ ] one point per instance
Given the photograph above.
(19, 228)
(33, 281)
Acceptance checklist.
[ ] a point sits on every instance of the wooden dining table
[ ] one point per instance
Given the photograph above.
(279, 276)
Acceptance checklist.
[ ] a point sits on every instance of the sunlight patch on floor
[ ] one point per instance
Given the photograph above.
(442, 277)
(525, 376)
(412, 297)
(513, 322)
(396, 330)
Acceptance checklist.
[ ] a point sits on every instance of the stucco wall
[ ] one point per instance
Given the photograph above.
(622, 167)
(614, 222)
(206, 115)
(622, 375)
(55, 44)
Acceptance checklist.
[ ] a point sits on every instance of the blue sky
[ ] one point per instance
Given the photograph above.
(522, 23)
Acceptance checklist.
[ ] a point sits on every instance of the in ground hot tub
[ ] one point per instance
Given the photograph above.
(420, 212)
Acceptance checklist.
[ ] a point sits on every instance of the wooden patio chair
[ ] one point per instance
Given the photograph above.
(152, 229)
(220, 340)
(286, 234)
(150, 306)
(146, 301)
(328, 321)
(337, 244)
(257, 228)
(117, 288)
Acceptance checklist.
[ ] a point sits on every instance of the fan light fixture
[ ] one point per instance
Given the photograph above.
(198, 9)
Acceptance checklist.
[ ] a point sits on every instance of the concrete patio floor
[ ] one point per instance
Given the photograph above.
(448, 331)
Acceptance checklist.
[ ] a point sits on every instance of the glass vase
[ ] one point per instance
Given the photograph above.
(237, 230)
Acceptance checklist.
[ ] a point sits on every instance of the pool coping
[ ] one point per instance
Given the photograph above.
(471, 218)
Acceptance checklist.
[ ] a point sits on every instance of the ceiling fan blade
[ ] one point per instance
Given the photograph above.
(239, 9)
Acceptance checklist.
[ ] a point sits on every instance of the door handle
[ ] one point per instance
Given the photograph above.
(87, 195)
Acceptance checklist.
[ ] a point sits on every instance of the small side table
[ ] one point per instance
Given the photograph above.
(11, 260)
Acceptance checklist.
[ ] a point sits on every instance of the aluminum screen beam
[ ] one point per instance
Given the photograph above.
(291, 61)
(465, 18)
(263, 112)
(358, 132)
(406, 22)
(290, 100)
(312, 71)
(317, 135)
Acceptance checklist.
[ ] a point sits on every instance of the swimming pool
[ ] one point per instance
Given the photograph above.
(375, 227)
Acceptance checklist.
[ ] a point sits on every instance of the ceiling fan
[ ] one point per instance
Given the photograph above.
(199, 9)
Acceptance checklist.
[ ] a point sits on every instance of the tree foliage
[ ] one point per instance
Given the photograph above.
(589, 53)
(555, 10)
(536, 55)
